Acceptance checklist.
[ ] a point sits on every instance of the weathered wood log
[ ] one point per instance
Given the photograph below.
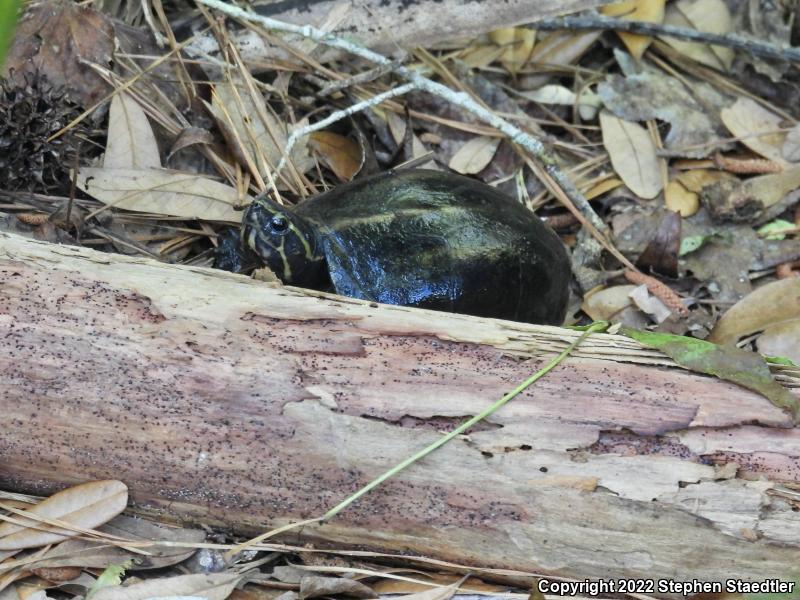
(233, 402)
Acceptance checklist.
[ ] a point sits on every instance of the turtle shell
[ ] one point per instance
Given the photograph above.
(441, 241)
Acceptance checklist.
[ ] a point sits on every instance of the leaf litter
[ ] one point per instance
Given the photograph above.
(640, 124)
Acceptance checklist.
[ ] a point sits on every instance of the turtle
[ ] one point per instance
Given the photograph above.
(417, 237)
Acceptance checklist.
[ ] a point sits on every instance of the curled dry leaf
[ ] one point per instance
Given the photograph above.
(677, 198)
(131, 141)
(475, 155)
(771, 305)
(85, 506)
(341, 154)
(711, 16)
(651, 11)
(650, 304)
(190, 136)
(633, 155)
(756, 127)
(588, 102)
(163, 192)
(212, 586)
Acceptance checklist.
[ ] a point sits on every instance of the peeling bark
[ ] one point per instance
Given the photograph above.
(233, 402)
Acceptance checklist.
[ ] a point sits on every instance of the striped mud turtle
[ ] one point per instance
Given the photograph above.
(417, 238)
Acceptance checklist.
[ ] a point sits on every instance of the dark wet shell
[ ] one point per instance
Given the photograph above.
(441, 241)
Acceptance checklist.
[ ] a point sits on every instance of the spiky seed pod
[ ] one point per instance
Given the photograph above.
(31, 110)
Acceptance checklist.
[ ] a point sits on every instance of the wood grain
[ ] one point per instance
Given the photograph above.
(237, 403)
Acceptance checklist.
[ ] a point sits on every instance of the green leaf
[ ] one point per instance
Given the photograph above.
(112, 575)
(9, 11)
(691, 243)
(742, 367)
(775, 230)
(781, 360)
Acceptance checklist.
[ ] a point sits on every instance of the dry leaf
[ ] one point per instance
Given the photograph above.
(517, 44)
(791, 145)
(397, 127)
(161, 191)
(768, 189)
(252, 132)
(651, 11)
(588, 102)
(782, 340)
(212, 586)
(436, 593)
(313, 586)
(563, 47)
(99, 555)
(773, 304)
(696, 179)
(633, 155)
(481, 56)
(475, 155)
(677, 198)
(602, 187)
(131, 143)
(58, 39)
(86, 506)
(190, 136)
(756, 127)
(710, 16)
(341, 154)
(650, 304)
(604, 304)
(645, 94)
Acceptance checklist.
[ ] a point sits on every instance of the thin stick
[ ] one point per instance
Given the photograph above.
(730, 40)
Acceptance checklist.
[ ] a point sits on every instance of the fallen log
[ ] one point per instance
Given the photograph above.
(238, 403)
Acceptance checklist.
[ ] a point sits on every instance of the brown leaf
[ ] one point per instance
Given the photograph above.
(211, 586)
(57, 574)
(190, 137)
(85, 506)
(782, 339)
(517, 44)
(773, 304)
(341, 154)
(661, 254)
(55, 38)
(131, 141)
(680, 200)
(475, 155)
(162, 191)
(711, 16)
(756, 127)
(314, 586)
(633, 155)
(651, 11)
(605, 304)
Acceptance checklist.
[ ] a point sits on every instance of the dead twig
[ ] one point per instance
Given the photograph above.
(729, 40)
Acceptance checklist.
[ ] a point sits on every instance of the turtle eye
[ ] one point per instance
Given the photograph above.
(279, 224)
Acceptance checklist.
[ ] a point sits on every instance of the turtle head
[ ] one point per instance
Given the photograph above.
(284, 241)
